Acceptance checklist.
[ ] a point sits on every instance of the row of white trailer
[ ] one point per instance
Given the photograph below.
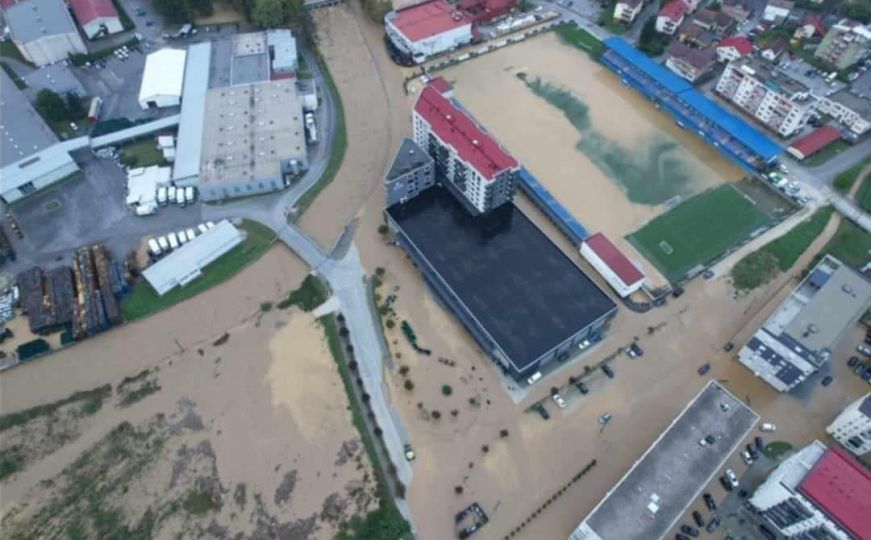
(181, 196)
(162, 245)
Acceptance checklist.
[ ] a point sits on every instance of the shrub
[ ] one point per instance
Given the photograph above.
(390, 324)
(447, 390)
(378, 432)
(344, 332)
(503, 433)
(383, 229)
(485, 448)
(436, 415)
(455, 413)
(349, 348)
(365, 397)
(458, 490)
(403, 370)
(352, 365)
(409, 385)
(379, 271)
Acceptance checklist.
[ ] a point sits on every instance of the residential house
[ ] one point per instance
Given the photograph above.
(717, 22)
(625, 11)
(671, 16)
(697, 36)
(776, 11)
(733, 48)
(774, 49)
(690, 63)
(739, 10)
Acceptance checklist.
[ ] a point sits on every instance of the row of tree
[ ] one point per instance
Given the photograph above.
(56, 108)
(183, 11)
(265, 13)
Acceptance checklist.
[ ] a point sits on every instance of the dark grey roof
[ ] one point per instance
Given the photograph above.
(786, 371)
(22, 130)
(34, 19)
(409, 157)
(865, 407)
(523, 291)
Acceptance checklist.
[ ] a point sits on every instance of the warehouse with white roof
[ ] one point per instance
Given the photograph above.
(187, 263)
(162, 79)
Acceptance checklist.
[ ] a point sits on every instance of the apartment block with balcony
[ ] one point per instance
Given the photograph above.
(468, 161)
(625, 11)
(777, 101)
(846, 43)
(852, 428)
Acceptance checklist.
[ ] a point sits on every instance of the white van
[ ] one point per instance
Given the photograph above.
(161, 196)
(533, 378)
(170, 194)
(163, 243)
(182, 237)
(153, 247)
(191, 234)
(173, 240)
(180, 199)
(190, 194)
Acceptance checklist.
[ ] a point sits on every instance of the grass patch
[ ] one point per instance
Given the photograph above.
(384, 523)
(337, 152)
(11, 461)
(309, 295)
(863, 196)
(762, 265)
(574, 35)
(850, 245)
(826, 153)
(19, 82)
(698, 231)
(138, 394)
(776, 449)
(843, 183)
(90, 397)
(198, 503)
(606, 19)
(144, 300)
(142, 153)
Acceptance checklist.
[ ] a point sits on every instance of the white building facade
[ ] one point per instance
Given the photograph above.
(162, 79)
(428, 29)
(783, 106)
(625, 11)
(852, 428)
(852, 111)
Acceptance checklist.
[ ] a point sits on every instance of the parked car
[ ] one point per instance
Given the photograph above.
(725, 483)
(752, 451)
(714, 524)
(582, 388)
(531, 380)
(730, 474)
(697, 517)
(853, 361)
(606, 369)
(542, 411)
(677, 292)
(746, 458)
(635, 351)
(728, 346)
(679, 536)
(864, 349)
(704, 368)
(687, 529)
(767, 427)
(859, 367)
(409, 452)
(709, 502)
(560, 402)
(827, 380)
(605, 418)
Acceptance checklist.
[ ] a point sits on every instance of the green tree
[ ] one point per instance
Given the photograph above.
(51, 106)
(177, 11)
(202, 7)
(859, 10)
(269, 13)
(651, 41)
(74, 105)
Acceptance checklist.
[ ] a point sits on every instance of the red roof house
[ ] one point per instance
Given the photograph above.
(841, 487)
(458, 130)
(96, 16)
(813, 142)
(623, 276)
(733, 48)
(428, 19)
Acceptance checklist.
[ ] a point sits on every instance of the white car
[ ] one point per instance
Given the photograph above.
(767, 427)
(182, 237)
(190, 234)
(202, 228)
(747, 458)
(409, 452)
(560, 402)
(730, 475)
(173, 240)
(531, 380)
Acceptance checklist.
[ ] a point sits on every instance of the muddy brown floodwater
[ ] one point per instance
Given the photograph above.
(541, 136)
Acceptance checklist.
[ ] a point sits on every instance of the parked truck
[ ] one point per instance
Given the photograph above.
(311, 128)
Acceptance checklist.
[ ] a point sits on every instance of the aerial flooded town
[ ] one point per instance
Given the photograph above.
(490, 269)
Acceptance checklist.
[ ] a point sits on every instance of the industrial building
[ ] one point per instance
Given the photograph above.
(142, 184)
(776, 100)
(187, 263)
(845, 44)
(424, 30)
(621, 274)
(96, 17)
(654, 494)
(690, 108)
(162, 79)
(520, 297)
(473, 165)
(186, 167)
(253, 141)
(817, 493)
(42, 30)
(852, 428)
(804, 330)
(36, 172)
(22, 129)
(58, 78)
(282, 51)
(411, 172)
(813, 142)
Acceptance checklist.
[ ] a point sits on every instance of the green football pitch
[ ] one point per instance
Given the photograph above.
(698, 230)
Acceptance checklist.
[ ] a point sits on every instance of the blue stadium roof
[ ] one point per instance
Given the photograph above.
(660, 74)
(732, 124)
(558, 209)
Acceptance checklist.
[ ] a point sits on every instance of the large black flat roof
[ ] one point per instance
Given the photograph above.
(524, 292)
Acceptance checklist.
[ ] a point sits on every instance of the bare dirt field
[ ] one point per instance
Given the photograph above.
(603, 150)
(215, 421)
(377, 116)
